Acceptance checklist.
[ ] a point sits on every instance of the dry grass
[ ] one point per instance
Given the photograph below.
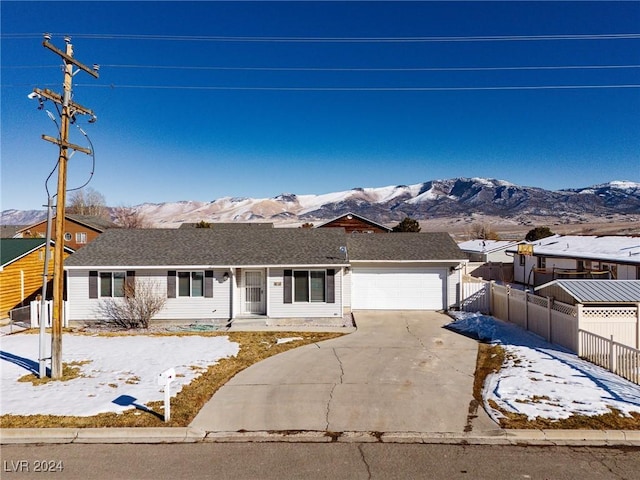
(490, 360)
(254, 347)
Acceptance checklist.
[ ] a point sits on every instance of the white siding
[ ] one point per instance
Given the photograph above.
(278, 309)
(83, 308)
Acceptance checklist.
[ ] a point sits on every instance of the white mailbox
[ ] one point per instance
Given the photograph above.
(164, 380)
(166, 377)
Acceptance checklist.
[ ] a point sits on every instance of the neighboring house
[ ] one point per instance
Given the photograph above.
(576, 257)
(353, 223)
(275, 273)
(488, 259)
(484, 251)
(10, 231)
(79, 230)
(21, 271)
(592, 292)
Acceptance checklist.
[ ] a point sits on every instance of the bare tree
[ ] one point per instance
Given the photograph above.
(140, 303)
(483, 232)
(129, 217)
(87, 202)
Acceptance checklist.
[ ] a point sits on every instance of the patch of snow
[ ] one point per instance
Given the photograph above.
(118, 368)
(541, 380)
(287, 340)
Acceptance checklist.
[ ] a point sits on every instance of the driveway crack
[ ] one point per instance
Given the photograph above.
(334, 387)
(364, 460)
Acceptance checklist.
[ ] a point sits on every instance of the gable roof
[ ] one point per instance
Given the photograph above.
(428, 246)
(623, 249)
(13, 249)
(227, 225)
(485, 246)
(598, 291)
(359, 217)
(205, 247)
(98, 224)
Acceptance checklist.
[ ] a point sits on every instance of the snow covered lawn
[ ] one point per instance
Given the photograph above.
(116, 371)
(541, 380)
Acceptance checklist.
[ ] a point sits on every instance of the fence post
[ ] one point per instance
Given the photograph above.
(526, 309)
(638, 326)
(508, 290)
(612, 357)
(491, 285)
(549, 303)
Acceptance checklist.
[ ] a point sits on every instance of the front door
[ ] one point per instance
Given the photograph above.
(254, 298)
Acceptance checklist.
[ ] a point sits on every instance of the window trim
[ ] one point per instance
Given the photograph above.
(81, 237)
(68, 237)
(190, 276)
(112, 286)
(309, 297)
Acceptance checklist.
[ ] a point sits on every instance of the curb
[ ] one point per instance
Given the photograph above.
(153, 435)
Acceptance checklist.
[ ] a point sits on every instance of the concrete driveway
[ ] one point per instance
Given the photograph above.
(399, 372)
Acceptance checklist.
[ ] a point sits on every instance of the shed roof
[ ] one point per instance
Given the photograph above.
(598, 291)
(404, 246)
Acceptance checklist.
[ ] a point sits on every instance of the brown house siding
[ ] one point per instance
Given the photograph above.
(70, 227)
(12, 292)
(354, 225)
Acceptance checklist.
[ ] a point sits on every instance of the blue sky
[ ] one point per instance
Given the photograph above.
(202, 100)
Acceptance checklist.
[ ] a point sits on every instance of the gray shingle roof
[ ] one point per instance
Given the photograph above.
(404, 246)
(202, 246)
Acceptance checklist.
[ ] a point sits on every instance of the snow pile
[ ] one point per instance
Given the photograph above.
(117, 373)
(542, 380)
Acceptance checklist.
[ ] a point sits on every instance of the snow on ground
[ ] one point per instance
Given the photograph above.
(539, 379)
(121, 372)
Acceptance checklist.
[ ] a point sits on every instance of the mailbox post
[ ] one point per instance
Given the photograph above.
(164, 380)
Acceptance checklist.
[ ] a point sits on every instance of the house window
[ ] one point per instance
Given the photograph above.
(522, 259)
(309, 286)
(67, 237)
(112, 284)
(542, 262)
(81, 237)
(190, 284)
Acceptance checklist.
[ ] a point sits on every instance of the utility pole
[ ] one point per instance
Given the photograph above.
(68, 112)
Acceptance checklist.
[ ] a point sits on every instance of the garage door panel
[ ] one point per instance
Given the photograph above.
(397, 288)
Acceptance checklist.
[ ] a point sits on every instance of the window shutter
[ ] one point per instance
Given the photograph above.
(171, 284)
(93, 284)
(130, 281)
(331, 285)
(287, 286)
(208, 283)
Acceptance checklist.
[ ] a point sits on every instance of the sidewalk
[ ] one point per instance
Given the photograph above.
(189, 435)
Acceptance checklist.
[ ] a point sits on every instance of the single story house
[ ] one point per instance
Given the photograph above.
(353, 223)
(488, 259)
(21, 271)
(576, 257)
(79, 230)
(275, 273)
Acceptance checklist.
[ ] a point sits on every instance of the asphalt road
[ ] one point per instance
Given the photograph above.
(264, 461)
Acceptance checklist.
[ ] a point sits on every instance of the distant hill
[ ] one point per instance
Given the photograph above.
(435, 199)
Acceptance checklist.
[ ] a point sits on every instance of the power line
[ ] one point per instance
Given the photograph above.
(362, 89)
(280, 39)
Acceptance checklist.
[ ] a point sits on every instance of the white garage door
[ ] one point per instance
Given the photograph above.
(398, 288)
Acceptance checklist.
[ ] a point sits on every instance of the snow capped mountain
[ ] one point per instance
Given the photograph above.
(452, 198)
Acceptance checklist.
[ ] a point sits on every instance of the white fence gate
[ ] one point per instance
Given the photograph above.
(35, 313)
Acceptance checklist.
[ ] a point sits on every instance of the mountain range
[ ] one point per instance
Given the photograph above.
(457, 197)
